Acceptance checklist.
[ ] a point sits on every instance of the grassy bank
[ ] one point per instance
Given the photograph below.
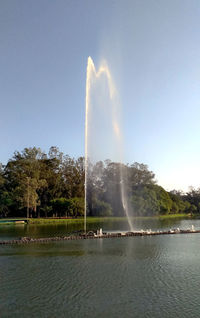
(46, 221)
(174, 216)
(74, 221)
(104, 219)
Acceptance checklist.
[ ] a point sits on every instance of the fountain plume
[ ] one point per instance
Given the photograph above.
(92, 77)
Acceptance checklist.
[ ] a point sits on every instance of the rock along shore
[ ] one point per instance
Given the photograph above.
(92, 235)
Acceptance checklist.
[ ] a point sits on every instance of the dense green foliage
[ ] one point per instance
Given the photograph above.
(35, 184)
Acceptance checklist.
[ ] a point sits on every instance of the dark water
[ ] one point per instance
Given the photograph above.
(9, 232)
(122, 277)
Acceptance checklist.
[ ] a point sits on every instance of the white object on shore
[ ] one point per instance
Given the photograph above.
(99, 232)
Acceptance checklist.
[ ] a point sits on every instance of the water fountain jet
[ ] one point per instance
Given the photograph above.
(92, 77)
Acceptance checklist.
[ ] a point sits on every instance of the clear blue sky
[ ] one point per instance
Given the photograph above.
(153, 50)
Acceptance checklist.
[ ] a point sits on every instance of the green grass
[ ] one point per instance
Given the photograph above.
(44, 221)
(90, 219)
(173, 216)
(75, 221)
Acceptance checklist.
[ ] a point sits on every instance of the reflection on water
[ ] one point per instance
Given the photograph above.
(16, 231)
(121, 277)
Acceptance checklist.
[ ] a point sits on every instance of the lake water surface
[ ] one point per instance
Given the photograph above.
(155, 276)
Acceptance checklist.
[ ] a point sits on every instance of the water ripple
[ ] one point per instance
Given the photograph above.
(132, 277)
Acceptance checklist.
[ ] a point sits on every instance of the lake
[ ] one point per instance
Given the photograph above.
(155, 276)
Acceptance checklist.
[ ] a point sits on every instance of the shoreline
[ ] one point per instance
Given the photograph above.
(90, 219)
(92, 235)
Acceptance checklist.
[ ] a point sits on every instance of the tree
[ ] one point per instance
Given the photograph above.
(68, 207)
(144, 201)
(73, 172)
(5, 203)
(23, 178)
(61, 207)
(193, 197)
(108, 181)
(77, 206)
(54, 183)
(139, 174)
(102, 208)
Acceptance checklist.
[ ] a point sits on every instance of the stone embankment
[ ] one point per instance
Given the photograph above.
(93, 235)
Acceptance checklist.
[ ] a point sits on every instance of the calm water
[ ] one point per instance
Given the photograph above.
(122, 277)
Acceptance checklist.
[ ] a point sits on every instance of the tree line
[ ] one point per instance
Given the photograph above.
(36, 184)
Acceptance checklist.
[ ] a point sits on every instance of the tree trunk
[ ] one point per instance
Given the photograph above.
(27, 212)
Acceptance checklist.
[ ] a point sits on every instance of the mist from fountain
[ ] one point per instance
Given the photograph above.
(102, 115)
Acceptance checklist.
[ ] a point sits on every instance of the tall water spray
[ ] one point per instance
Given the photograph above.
(101, 97)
